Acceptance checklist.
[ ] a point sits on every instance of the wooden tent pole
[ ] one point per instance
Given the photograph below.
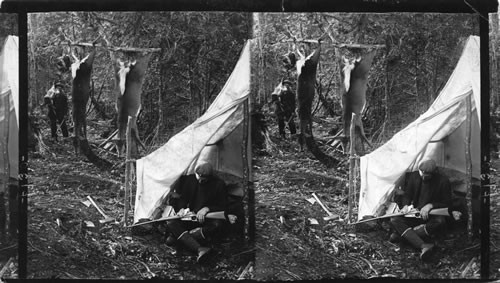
(468, 163)
(352, 165)
(5, 143)
(128, 166)
(246, 169)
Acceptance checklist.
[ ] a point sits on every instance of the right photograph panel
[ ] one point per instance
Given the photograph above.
(366, 140)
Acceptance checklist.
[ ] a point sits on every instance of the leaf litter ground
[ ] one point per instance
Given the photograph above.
(290, 247)
(60, 245)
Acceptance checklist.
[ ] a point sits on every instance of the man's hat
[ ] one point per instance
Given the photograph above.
(204, 169)
(427, 166)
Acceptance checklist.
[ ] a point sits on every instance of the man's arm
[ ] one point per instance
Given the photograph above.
(404, 191)
(179, 196)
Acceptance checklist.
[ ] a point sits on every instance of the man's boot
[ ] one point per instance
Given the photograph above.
(194, 246)
(411, 236)
(421, 231)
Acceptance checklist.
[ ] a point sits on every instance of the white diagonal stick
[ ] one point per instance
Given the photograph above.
(323, 206)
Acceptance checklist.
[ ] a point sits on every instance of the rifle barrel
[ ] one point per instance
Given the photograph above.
(192, 217)
(438, 211)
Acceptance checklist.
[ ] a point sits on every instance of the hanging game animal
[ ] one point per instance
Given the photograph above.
(130, 78)
(355, 77)
(81, 70)
(306, 87)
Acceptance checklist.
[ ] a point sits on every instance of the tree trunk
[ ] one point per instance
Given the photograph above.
(415, 78)
(387, 110)
(192, 92)
(98, 106)
(258, 33)
(495, 80)
(325, 103)
(33, 41)
(208, 78)
(434, 91)
(160, 110)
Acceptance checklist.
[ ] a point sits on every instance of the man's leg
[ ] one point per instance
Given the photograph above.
(176, 227)
(281, 124)
(400, 224)
(404, 227)
(208, 230)
(53, 126)
(179, 230)
(64, 128)
(212, 227)
(435, 223)
(291, 124)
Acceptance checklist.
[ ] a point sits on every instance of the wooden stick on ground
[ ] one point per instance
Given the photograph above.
(9, 247)
(6, 266)
(108, 139)
(330, 215)
(468, 267)
(245, 271)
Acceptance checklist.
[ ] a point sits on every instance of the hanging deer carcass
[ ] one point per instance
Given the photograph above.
(306, 72)
(355, 77)
(306, 87)
(130, 78)
(81, 70)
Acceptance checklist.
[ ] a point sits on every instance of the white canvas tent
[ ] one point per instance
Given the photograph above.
(217, 137)
(9, 111)
(439, 133)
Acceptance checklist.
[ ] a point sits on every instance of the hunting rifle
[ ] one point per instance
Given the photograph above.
(188, 217)
(411, 213)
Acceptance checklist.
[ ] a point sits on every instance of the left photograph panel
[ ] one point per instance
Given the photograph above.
(9, 144)
(141, 162)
